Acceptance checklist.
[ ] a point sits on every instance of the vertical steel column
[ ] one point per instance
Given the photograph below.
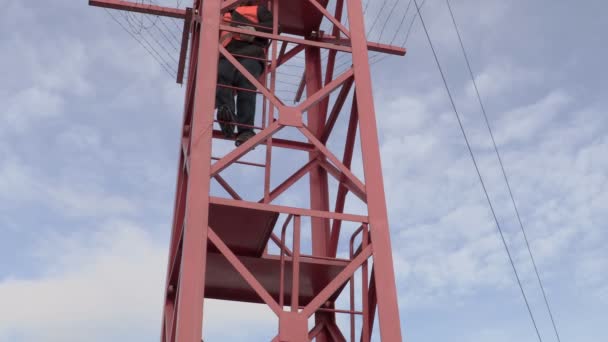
(319, 197)
(319, 191)
(194, 253)
(271, 108)
(388, 307)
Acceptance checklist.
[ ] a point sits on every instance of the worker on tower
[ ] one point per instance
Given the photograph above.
(250, 51)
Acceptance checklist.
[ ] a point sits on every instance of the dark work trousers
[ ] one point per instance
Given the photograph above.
(245, 100)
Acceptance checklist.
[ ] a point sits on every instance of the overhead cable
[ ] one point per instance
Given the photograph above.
(163, 63)
(504, 173)
(447, 88)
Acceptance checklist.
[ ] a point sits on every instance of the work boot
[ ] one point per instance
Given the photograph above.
(226, 119)
(244, 136)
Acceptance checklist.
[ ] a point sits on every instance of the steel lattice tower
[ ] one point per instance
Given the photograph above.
(219, 246)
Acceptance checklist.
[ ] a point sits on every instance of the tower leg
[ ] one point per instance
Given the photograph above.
(191, 283)
(319, 192)
(388, 307)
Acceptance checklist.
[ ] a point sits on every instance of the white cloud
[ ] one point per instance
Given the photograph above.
(447, 245)
(531, 121)
(500, 79)
(495, 335)
(31, 106)
(20, 184)
(108, 276)
(102, 282)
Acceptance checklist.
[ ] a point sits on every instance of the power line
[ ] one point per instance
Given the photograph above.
(162, 32)
(366, 6)
(409, 4)
(409, 30)
(136, 23)
(504, 173)
(287, 83)
(447, 88)
(288, 74)
(175, 37)
(376, 19)
(407, 35)
(138, 19)
(388, 19)
(163, 63)
(158, 43)
(341, 58)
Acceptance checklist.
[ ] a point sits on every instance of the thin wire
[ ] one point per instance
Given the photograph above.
(288, 83)
(407, 36)
(366, 6)
(376, 19)
(159, 44)
(407, 9)
(341, 58)
(504, 173)
(478, 172)
(178, 3)
(409, 30)
(162, 32)
(160, 61)
(131, 16)
(388, 19)
(175, 37)
(409, 4)
(136, 23)
(287, 65)
(288, 74)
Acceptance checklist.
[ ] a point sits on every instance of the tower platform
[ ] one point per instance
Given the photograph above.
(300, 18)
(247, 232)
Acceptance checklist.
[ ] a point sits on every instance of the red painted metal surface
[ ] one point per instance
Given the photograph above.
(246, 231)
(223, 282)
(300, 18)
(220, 245)
(132, 6)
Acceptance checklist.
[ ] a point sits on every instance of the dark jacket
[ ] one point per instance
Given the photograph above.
(255, 48)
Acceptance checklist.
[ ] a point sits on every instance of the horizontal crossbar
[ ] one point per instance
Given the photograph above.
(289, 210)
(140, 8)
(327, 42)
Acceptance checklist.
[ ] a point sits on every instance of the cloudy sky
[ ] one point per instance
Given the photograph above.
(88, 145)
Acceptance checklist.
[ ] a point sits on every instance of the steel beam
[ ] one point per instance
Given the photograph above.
(140, 8)
(289, 39)
(181, 65)
(371, 46)
(388, 309)
(289, 210)
(194, 251)
(337, 282)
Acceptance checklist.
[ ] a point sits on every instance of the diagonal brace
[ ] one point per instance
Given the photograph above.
(326, 90)
(244, 148)
(357, 189)
(290, 181)
(333, 286)
(244, 272)
(261, 88)
(330, 17)
(346, 171)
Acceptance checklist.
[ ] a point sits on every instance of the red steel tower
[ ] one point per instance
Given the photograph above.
(219, 245)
